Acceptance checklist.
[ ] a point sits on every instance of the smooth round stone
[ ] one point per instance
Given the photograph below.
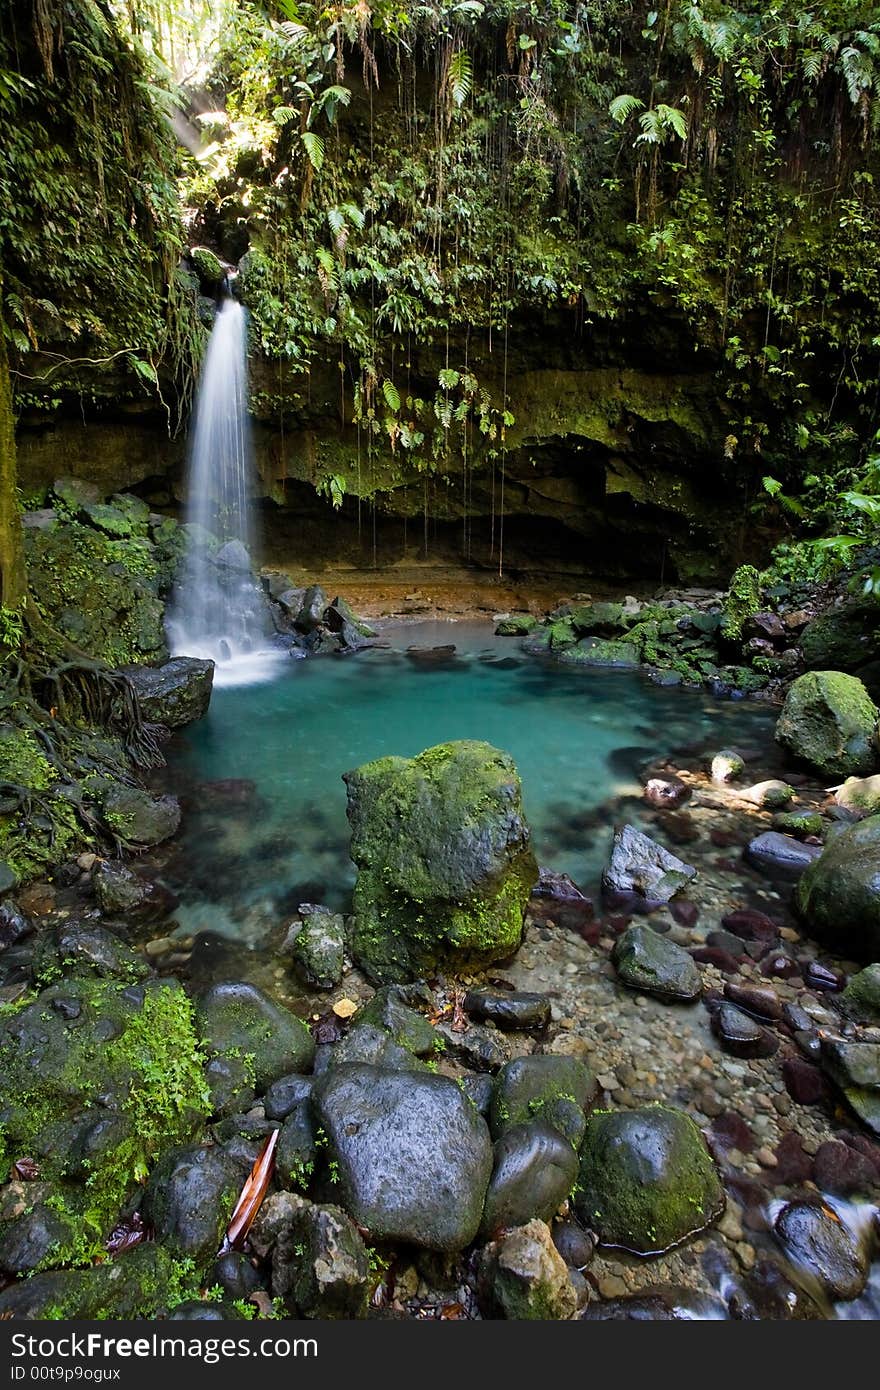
(781, 856)
(535, 1168)
(667, 793)
(522, 1012)
(575, 1245)
(816, 1241)
(726, 766)
(740, 1034)
(752, 999)
(285, 1093)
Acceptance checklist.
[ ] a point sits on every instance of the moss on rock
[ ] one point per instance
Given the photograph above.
(445, 867)
(647, 1181)
(829, 721)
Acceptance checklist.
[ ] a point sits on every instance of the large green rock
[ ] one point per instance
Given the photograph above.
(839, 895)
(647, 1180)
(829, 720)
(445, 867)
(861, 998)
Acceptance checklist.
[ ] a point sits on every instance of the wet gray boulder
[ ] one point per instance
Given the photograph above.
(535, 1169)
(296, 1152)
(646, 961)
(647, 1180)
(838, 896)
(445, 867)
(311, 613)
(316, 942)
(641, 867)
(391, 1008)
(414, 1157)
(120, 892)
(85, 948)
(237, 1017)
(175, 694)
(233, 556)
(30, 1239)
(189, 1198)
(137, 1284)
(138, 818)
(555, 1089)
(828, 720)
(822, 1246)
(365, 1042)
(781, 856)
(285, 1093)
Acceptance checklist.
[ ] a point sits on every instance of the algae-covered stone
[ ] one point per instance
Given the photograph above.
(143, 1283)
(445, 867)
(548, 1087)
(647, 1180)
(389, 1009)
(413, 1155)
(861, 998)
(323, 1267)
(602, 651)
(238, 1017)
(799, 823)
(842, 639)
(839, 894)
(516, 625)
(829, 720)
(208, 266)
(645, 960)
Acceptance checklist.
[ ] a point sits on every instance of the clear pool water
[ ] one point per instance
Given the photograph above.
(261, 777)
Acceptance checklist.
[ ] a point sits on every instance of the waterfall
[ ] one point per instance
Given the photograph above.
(218, 609)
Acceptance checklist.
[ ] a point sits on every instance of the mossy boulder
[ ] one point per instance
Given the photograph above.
(516, 625)
(445, 867)
(100, 1077)
(316, 941)
(829, 720)
(842, 639)
(143, 1283)
(647, 1181)
(839, 894)
(599, 651)
(208, 267)
(523, 1277)
(237, 1018)
(860, 795)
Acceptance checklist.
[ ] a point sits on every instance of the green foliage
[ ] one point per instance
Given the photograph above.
(743, 598)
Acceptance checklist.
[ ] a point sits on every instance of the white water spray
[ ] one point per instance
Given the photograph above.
(218, 609)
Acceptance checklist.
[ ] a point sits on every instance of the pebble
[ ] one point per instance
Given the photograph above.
(159, 947)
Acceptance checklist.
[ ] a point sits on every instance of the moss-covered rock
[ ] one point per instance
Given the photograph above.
(838, 895)
(647, 1180)
(842, 639)
(829, 720)
(517, 625)
(445, 867)
(523, 1277)
(598, 651)
(860, 795)
(861, 998)
(190, 1197)
(146, 1282)
(175, 693)
(138, 818)
(100, 1077)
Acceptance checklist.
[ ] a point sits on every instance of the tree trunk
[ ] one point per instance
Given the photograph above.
(12, 572)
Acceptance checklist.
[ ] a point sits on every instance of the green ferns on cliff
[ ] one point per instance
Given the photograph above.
(442, 174)
(90, 234)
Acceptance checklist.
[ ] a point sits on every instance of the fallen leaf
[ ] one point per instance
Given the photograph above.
(252, 1194)
(344, 1008)
(262, 1302)
(128, 1233)
(26, 1169)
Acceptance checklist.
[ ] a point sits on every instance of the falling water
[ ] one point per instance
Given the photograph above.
(218, 609)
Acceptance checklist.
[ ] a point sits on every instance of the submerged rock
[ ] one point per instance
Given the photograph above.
(175, 694)
(829, 720)
(646, 1179)
(238, 1017)
(740, 1034)
(523, 1276)
(837, 896)
(444, 862)
(647, 961)
(640, 866)
(414, 1157)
